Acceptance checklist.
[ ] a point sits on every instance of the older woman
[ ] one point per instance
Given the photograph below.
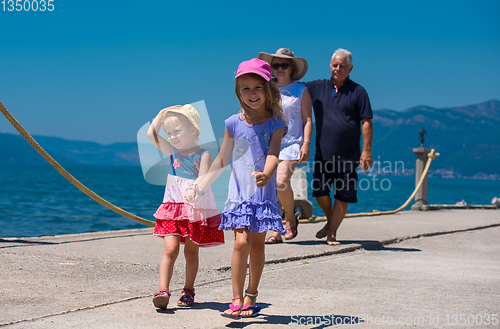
(296, 102)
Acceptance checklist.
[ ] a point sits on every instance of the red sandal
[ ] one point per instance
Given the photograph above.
(291, 233)
(185, 300)
(161, 299)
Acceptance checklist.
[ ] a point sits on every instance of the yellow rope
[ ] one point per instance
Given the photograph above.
(66, 174)
(431, 156)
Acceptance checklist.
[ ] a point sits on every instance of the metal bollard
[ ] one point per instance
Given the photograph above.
(302, 207)
(496, 202)
(421, 196)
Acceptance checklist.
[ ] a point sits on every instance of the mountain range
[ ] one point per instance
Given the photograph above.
(467, 138)
(14, 149)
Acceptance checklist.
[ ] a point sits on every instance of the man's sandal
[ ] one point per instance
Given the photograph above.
(255, 309)
(331, 241)
(273, 239)
(161, 298)
(233, 308)
(185, 300)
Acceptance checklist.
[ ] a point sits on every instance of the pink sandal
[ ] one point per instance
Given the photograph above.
(255, 309)
(185, 300)
(161, 299)
(233, 308)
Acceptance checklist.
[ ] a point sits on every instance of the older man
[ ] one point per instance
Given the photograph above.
(342, 111)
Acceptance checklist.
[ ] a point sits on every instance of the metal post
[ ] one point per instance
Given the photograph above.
(421, 196)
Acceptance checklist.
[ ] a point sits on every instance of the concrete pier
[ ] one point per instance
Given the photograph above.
(416, 269)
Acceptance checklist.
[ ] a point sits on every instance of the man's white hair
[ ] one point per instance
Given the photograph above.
(343, 53)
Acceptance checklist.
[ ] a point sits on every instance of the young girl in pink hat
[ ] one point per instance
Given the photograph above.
(178, 222)
(253, 137)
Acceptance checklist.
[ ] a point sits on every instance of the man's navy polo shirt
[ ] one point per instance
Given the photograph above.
(338, 118)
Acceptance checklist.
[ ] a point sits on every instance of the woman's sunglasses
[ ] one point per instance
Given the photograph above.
(284, 66)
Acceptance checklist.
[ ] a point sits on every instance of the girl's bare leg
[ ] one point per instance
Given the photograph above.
(257, 259)
(170, 253)
(191, 252)
(241, 250)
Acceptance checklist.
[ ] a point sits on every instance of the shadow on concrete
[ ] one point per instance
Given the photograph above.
(394, 249)
(216, 306)
(309, 321)
(167, 311)
(365, 244)
(315, 242)
(374, 245)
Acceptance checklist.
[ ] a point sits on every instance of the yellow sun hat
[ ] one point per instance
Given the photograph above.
(188, 111)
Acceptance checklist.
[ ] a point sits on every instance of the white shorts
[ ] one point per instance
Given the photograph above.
(290, 152)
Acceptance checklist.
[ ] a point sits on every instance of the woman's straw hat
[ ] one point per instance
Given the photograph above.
(299, 63)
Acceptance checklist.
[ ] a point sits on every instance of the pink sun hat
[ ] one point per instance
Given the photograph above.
(256, 66)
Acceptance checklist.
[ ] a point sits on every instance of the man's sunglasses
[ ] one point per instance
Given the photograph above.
(284, 66)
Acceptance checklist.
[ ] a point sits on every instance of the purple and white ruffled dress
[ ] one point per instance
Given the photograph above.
(247, 205)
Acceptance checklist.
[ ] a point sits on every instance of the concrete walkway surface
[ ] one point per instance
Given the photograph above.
(414, 269)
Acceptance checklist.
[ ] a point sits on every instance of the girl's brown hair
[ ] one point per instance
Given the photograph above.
(272, 93)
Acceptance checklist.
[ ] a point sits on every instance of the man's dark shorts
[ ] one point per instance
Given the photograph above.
(341, 174)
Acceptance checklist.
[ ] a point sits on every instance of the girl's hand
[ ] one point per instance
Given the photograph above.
(190, 195)
(168, 109)
(261, 179)
(161, 112)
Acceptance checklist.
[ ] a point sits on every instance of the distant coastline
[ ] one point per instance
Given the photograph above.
(441, 173)
(466, 137)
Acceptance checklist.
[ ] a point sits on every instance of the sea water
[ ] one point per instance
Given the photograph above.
(35, 200)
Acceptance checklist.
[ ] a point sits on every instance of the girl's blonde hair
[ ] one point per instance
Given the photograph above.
(272, 93)
(181, 117)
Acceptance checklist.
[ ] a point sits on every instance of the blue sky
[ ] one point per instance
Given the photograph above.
(99, 70)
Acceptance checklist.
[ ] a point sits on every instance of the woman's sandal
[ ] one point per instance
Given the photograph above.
(255, 309)
(293, 231)
(161, 298)
(273, 239)
(233, 308)
(185, 300)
